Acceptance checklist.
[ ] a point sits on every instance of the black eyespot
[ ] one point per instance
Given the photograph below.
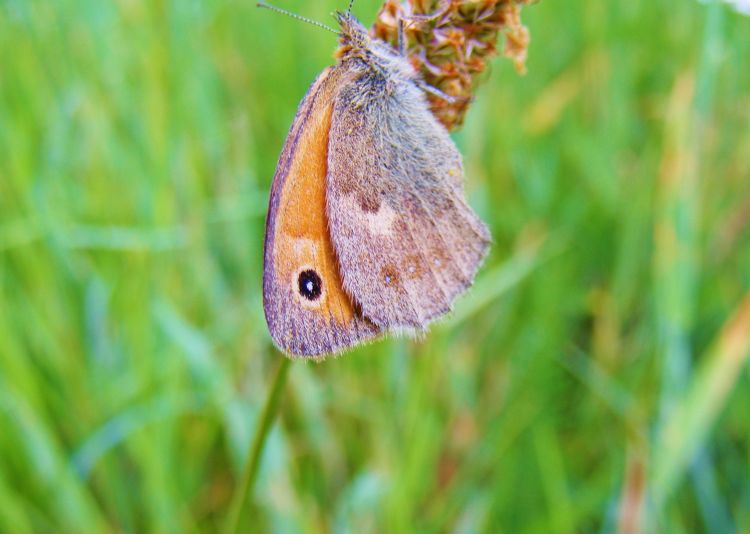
(310, 284)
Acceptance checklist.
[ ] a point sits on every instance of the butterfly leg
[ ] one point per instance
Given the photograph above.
(417, 18)
(441, 10)
(434, 91)
(401, 38)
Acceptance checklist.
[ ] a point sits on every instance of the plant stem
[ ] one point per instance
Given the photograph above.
(250, 471)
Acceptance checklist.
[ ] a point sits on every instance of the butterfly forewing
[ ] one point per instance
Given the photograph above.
(306, 308)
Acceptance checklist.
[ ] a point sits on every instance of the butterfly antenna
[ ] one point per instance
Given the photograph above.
(349, 9)
(295, 16)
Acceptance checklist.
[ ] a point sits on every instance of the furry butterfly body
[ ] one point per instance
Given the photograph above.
(368, 230)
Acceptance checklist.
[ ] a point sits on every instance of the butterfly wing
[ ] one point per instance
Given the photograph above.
(407, 241)
(307, 310)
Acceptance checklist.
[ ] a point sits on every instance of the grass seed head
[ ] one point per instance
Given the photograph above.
(449, 42)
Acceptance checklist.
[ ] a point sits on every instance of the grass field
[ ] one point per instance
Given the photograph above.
(594, 380)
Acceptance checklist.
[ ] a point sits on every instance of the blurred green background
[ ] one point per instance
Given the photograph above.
(595, 378)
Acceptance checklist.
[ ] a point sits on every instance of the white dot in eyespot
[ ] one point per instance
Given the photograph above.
(387, 279)
(437, 262)
(309, 284)
(411, 268)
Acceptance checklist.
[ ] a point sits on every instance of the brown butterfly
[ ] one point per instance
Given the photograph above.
(368, 229)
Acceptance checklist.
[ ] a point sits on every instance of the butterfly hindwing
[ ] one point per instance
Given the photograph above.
(407, 242)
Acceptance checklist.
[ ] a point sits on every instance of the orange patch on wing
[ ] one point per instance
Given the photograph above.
(302, 240)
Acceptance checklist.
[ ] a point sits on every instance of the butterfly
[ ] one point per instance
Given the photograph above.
(368, 229)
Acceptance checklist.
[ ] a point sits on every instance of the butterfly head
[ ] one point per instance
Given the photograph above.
(353, 36)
